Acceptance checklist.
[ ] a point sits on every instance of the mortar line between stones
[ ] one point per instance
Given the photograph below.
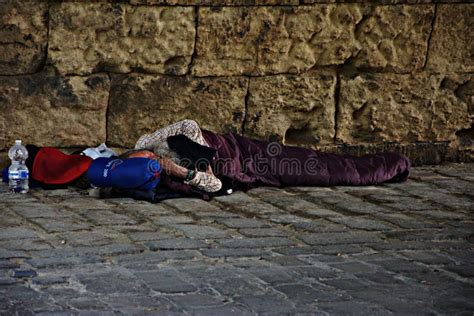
(107, 111)
(196, 26)
(292, 232)
(414, 195)
(199, 220)
(362, 71)
(428, 44)
(254, 215)
(301, 4)
(246, 106)
(337, 90)
(42, 64)
(51, 238)
(392, 209)
(226, 76)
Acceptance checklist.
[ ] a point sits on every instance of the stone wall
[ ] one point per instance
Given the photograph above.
(342, 76)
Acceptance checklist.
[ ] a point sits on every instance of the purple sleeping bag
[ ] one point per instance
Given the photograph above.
(131, 173)
(247, 163)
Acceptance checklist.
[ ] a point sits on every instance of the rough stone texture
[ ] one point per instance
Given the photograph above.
(403, 108)
(272, 40)
(293, 109)
(394, 38)
(225, 41)
(141, 104)
(92, 37)
(451, 45)
(46, 109)
(216, 2)
(381, 1)
(23, 36)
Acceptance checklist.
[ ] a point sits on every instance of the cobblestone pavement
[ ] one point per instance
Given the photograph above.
(403, 248)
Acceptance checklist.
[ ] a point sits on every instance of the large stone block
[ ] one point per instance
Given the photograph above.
(93, 37)
(292, 109)
(23, 36)
(381, 1)
(226, 42)
(141, 104)
(216, 2)
(273, 40)
(404, 108)
(452, 46)
(46, 109)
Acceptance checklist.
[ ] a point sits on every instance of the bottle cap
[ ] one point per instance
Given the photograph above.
(18, 142)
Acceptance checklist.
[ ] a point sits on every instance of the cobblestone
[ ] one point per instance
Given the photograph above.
(401, 248)
(108, 218)
(234, 252)
(305, 294)
(362, 223)
(61, 225)
(201, 231)
(171, 220)
(242, 223)
(17, 233)
(100, 283)
(318, 226)
(151, 235)
(166, 281)
(63, 261)
(24, 244)
(177, 243)
(340, 238)
(261, 242)
(105, 250)
(272, 276)
(266, 303)
(263, 232)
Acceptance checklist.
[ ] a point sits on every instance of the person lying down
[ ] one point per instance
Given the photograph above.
(197, 160)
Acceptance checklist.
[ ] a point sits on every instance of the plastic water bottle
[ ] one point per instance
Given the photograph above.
(18, 171)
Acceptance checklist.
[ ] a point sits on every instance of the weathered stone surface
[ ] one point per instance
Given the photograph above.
(46, 109)
(141, 104)
(216, 2)
(381, 1)
(394, 38)
(451, 45)
(272, 40)
(403, 108)
(23, 36)
(91, 37)
(226, 41)
(293, 109)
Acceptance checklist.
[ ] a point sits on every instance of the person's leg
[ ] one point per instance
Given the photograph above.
(171, 168)
(205, 181)
(201, 180)
(189, 128)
